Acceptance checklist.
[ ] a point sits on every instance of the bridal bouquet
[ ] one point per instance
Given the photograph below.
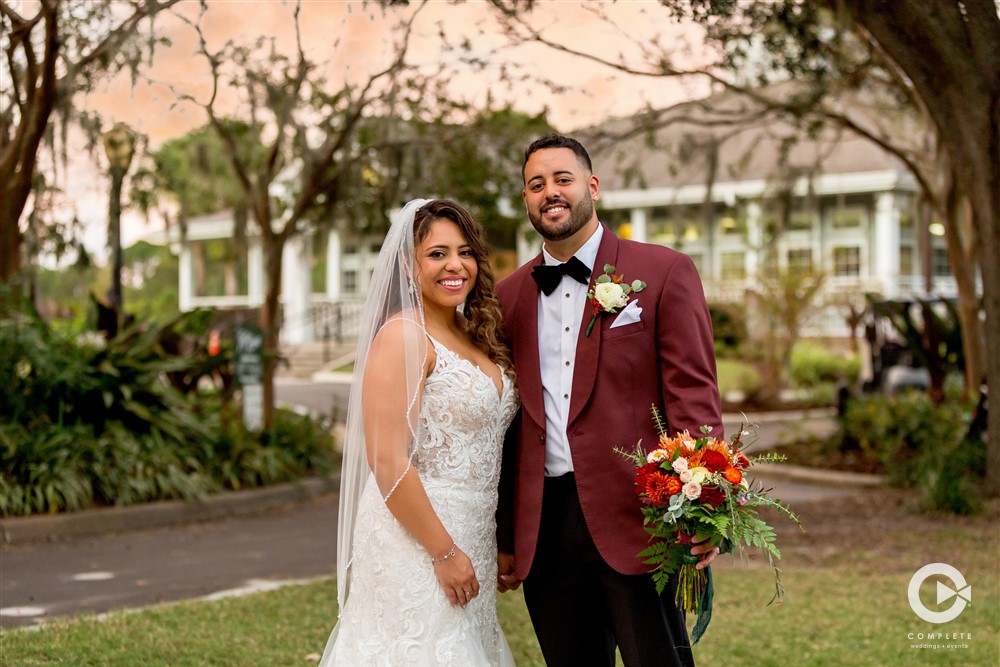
(692, 486)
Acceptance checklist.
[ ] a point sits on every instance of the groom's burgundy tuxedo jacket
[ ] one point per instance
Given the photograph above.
(666, 359)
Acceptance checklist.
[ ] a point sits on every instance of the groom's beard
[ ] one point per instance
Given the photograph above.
(579, 215)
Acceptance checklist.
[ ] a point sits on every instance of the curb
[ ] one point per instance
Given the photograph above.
(91, 522)
(794, 473)
(332, 377)
(767, 417)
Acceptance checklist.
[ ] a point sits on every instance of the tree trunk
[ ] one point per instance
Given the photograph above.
(17, 168)
(985, 202)
(274, 245)
(949, 51)
(10, 231)
(964, 261)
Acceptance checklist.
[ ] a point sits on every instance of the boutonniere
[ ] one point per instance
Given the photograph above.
(610, 292)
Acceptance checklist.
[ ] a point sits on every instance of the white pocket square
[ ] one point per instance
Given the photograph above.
(630, 315)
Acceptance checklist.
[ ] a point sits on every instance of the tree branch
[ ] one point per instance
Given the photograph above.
(119, 34)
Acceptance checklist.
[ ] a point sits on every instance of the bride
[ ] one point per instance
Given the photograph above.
(416, 553)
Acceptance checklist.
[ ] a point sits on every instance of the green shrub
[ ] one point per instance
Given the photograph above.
(298, 445)
(729, 328)
(736, 376)
(813, 364)
(923, 446)
(89, 422)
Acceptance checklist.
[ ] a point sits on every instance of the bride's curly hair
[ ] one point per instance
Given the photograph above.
(482, 308)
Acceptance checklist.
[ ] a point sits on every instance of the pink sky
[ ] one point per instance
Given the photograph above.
(345, 41)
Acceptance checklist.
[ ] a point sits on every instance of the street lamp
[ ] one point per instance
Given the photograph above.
(119, 146)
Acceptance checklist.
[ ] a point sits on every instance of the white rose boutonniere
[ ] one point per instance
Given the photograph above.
(610, 295)
(610, 292)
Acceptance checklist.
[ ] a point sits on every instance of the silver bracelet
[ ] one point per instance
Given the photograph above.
(451, 554)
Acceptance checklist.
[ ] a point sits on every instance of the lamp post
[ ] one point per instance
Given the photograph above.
(119, 146)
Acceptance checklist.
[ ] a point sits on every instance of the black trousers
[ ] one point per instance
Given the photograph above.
(581, 609)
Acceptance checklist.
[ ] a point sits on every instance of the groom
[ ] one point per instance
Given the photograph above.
(569, 523)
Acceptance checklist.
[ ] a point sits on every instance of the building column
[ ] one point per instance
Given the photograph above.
(755, 239)
(638, 222)
(333, 251)
(185, 271)
(295, 291)
(255, 272)
(884, 248)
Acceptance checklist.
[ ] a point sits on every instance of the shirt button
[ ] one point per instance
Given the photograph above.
(567, 295)
(566, 329)
(567, 363)
(565, 395)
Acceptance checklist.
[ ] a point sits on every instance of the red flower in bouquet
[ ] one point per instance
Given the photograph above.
(641, 475)
(712, 495)
(714, 460)
(692, 486)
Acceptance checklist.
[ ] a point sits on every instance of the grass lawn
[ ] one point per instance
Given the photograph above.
(846, 579)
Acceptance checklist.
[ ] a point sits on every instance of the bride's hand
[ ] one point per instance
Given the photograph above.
(458, 578)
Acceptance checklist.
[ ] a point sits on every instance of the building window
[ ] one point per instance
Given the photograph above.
(733, 266)
(942, 267)
(349, 282)
(847, 218)
(800, 221)
(906, 220)
(618, 220)
(730, 225)
(906, 260)
(847, 261)
(800, 260)
(317, 276)
(220, 268)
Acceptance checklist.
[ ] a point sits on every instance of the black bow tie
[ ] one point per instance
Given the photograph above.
(548, 276)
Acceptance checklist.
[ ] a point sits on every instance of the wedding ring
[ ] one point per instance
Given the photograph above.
(468, 592)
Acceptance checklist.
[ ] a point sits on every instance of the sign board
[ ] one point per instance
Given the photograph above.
(248, 367)
(253, 406)
(248, 354)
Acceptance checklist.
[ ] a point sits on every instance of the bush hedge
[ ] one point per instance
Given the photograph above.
(91, 423)
(813, 364)
(922, 445)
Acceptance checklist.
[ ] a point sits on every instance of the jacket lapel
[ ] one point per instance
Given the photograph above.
(588, 347)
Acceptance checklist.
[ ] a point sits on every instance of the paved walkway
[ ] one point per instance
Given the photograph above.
(284, 534)
(45, 579)
(42, 580)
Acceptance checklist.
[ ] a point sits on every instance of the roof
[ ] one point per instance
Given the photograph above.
(681, 146)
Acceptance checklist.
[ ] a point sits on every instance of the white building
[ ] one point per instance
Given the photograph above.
(837, 205)
(849, 211)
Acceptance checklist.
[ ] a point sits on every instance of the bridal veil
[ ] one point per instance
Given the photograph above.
(392, 294)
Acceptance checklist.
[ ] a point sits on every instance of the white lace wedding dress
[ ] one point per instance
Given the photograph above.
(396, 612)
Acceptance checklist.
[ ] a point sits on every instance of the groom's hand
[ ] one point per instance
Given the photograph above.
(506, 578)
(705, 550)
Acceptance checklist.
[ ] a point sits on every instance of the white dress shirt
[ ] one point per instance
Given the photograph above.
(560, 315)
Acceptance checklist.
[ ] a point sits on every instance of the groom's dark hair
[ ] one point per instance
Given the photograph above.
(558, 141)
